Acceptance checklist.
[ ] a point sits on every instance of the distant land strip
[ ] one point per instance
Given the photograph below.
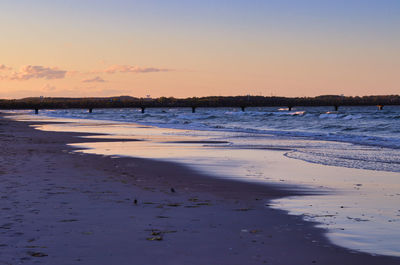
(195, 102)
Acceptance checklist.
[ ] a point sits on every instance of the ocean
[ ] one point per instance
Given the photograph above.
(352, 156)
(374, 133)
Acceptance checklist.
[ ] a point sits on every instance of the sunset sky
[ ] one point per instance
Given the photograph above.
(185, 48)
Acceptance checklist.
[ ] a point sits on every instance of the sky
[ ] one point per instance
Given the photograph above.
(193, 48)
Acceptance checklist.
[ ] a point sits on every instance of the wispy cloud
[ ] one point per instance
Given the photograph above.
(96, 79)
(4, 67)
(32, 72)
(36, 71)
(133, 69)
(28, 72)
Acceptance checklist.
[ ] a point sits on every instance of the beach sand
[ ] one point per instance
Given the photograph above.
(61, 207)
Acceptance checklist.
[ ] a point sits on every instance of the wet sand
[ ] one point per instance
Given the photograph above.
(60, 207)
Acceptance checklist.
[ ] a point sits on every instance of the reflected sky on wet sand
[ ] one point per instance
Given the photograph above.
(360, 207)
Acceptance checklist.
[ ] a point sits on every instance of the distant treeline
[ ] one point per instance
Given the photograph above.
(218, 101)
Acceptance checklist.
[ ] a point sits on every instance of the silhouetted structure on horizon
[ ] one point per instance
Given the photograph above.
(241, 102)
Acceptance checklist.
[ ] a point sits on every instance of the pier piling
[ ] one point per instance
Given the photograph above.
(142, 108)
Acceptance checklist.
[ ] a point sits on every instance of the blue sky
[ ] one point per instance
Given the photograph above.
(275, 46)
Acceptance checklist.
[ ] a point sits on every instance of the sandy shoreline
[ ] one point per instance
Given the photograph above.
(80, 209)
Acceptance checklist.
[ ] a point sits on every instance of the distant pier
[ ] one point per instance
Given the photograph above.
(194, 103)
(193, 109)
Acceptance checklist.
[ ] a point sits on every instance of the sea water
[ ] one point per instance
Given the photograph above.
(353, 155)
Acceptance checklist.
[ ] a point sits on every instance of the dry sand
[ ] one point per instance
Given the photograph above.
(60, 207)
